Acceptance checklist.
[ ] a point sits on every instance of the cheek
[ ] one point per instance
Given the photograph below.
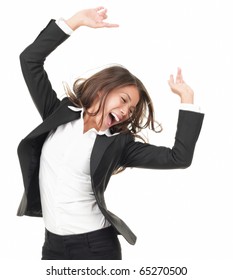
(137, 99)
(112, 103)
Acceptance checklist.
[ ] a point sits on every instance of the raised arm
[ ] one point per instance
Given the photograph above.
(188, 129)
(32, 64)
(33, 57)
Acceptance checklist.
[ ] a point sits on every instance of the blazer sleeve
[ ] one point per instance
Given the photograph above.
(137, 154)
(32, 64)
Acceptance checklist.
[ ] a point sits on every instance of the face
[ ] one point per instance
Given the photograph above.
(119, 105)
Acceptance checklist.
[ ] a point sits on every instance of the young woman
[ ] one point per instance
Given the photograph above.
(69, 158)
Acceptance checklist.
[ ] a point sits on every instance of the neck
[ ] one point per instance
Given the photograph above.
(90, 122)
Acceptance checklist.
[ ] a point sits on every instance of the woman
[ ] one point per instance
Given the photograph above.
(69, 158)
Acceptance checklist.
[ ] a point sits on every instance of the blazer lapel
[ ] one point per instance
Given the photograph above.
(102, 142)
(60, 116)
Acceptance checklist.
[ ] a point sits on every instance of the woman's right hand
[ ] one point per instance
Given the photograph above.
(93, 18)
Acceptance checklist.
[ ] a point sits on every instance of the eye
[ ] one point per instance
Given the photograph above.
(123, 99)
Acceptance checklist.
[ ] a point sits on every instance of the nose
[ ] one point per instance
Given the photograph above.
(125, 111)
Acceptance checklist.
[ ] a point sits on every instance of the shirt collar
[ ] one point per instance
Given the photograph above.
(101, 132)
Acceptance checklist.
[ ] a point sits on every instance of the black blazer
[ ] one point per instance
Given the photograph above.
(108, 153)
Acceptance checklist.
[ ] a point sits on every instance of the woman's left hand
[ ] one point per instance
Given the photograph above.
(180, 88)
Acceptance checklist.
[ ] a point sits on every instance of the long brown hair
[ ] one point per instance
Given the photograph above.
(104, 81)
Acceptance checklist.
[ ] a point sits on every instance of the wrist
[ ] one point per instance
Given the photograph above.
(74, 22)
(187, 98)
(64, 27)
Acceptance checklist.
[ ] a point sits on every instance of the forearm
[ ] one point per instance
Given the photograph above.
(137, 154)
(45, 43)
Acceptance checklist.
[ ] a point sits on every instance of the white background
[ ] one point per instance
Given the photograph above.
(178, 214)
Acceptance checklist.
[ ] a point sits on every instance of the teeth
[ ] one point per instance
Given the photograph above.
(115, 117)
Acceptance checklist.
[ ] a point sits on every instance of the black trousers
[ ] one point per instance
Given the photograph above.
(101, 244)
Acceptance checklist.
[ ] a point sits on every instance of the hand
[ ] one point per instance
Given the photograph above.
(180, 88)
(93, 18)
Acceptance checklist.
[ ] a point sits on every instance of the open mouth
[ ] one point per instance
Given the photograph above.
(112, 119)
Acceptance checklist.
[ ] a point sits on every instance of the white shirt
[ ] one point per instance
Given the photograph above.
(68, 202)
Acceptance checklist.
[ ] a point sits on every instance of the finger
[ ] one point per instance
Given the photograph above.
(102, 17)
(109, 25)
(171, 80)
(102, 12)
(179, 77)
(178, 80)
(179, 71)
(100, 24)
(99, 8)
